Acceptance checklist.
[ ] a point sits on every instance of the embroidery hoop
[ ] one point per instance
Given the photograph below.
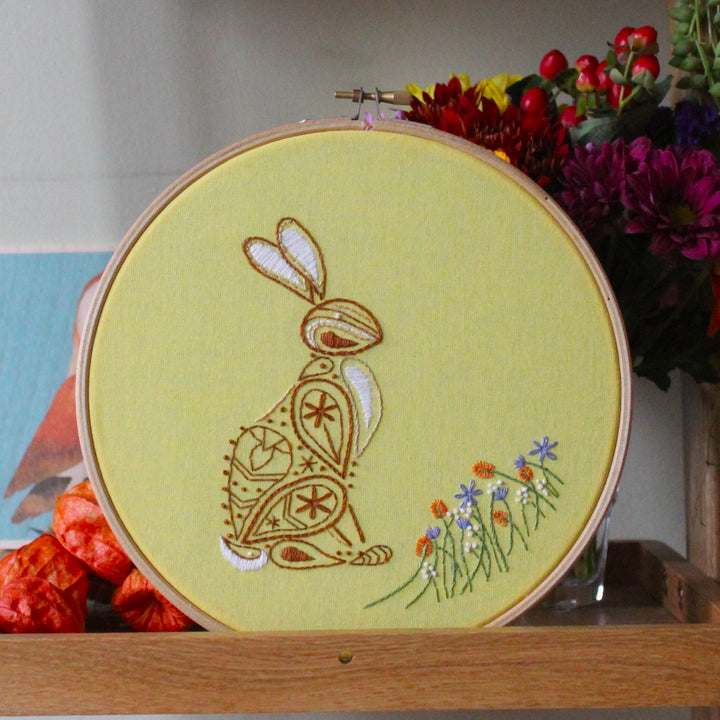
(114, 276)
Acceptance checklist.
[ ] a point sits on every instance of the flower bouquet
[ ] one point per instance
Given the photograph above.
(640, 179)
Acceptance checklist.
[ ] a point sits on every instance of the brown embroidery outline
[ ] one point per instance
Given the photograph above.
(276, 496)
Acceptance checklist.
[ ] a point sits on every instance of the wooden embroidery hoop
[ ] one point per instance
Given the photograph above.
(90, 451)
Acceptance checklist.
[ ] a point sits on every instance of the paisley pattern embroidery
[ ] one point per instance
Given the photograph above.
(474, 541)
(288, 475)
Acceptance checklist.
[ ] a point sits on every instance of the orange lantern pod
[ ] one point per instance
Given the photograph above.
(81, 527)
(43, 588)
(144, 609)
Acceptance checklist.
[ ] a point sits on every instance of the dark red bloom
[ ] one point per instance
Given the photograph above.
(533, 142)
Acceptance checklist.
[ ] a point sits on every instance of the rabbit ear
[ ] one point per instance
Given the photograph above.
(302, 252)
(268, 260)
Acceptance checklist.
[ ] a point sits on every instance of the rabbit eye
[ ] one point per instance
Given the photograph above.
(333, 340)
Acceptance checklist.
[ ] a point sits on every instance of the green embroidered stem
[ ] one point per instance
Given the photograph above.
(400, 588)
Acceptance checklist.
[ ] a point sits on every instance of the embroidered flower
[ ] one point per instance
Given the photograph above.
(541, 485)
(463, 523)
(522, 496)
(500, 492)
(468, 494)
(428, 571)
(543, 449)
(519, 461)
(525, 473)
(438, 509)
(432, 532)
(470, 546)
(423, 546)
(484, 470)
(501, 517)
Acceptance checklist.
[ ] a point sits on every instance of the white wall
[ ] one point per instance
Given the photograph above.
(105, 103)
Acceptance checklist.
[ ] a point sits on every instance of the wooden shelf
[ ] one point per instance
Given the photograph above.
(653, 641)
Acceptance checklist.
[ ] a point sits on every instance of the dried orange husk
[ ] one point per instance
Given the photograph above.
(81, 527)
(144, 609)
(33, 605)
(43, 588)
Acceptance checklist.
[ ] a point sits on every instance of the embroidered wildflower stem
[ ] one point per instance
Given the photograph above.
(477, 539)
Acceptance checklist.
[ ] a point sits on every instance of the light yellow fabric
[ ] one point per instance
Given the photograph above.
(495, 335)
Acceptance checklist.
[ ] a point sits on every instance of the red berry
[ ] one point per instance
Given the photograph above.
(616, 93)
(553, 64)
(534, 101)
(622, 44)
(603, 78)
(587, 81)
(643, 40)
(647, 63)
(586, 62)
(569, 117)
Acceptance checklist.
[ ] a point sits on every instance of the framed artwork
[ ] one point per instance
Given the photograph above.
(339, 378)
(44, 299)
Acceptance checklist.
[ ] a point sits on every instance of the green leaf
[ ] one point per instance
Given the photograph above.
(691, 64)
(596, 130)
(714, 90)
(676, 61)
(683, 83)
(698, 82)
(617, 77)
(683, 46)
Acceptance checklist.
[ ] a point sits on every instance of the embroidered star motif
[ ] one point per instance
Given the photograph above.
(314, 503)
(273, 522)
(320, 412)
(307, 464)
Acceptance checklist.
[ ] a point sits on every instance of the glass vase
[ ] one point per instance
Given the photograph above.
(584, 583)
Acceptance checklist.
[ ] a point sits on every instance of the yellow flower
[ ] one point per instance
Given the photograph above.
(495, 89)
(502, 155)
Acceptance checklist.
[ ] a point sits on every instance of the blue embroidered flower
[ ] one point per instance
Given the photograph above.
(542, 450)
(519, 461)
(432, 532)
(463, 523)
(467, 494)
(500, 492)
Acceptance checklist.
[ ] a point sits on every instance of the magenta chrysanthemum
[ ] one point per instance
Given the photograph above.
(674, 197)
(592, 181)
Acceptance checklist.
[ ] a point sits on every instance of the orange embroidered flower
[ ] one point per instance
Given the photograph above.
(484, 470)
(438, 508)
(424, 546)
(525, 473)
(500, 517)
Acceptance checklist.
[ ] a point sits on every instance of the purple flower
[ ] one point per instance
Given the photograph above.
(674, 197)
(519, 461)
(543, 449)
(463, 523)
(591, 188)
(432, 532)
(500, 493)
(467, 494)
(695, 122)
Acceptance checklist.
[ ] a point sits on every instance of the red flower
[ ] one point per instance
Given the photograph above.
(533, 142)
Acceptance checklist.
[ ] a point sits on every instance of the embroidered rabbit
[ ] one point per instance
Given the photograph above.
(289, 472)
